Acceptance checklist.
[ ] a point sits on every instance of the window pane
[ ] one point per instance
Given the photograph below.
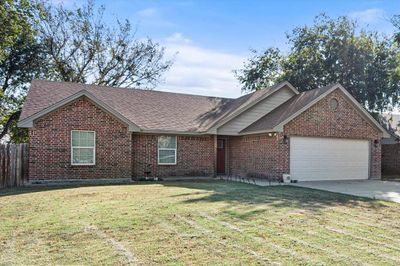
(75, 138)
(86, 152)
(167, 142)
(91, 139)
(83, 139)
(75, 155)
(83, 155)
(166, 156)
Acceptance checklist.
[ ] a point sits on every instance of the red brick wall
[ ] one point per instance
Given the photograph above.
(260, 156)
(50, 144)
(195, 156)
(321, 120)
(120, 153)
(263, 156)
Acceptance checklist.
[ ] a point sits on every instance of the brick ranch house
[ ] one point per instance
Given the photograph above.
(86, 131)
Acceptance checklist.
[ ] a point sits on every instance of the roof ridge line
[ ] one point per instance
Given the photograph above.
(130, 89)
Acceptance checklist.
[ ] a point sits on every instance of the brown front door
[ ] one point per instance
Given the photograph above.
(220, 156)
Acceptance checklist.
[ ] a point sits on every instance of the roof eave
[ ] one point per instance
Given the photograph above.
(258, 132)
(173, 132)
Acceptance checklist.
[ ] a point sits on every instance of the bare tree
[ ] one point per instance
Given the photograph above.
(81, 47)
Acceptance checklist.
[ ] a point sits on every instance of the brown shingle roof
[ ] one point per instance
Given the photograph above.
(151, 110)
(286, 110)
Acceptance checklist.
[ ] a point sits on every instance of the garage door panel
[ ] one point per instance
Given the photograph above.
(328, 159)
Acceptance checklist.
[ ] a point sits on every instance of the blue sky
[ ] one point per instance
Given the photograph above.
(213, 38)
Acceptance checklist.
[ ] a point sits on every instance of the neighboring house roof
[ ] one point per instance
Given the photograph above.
(156, 111)
(391, 122)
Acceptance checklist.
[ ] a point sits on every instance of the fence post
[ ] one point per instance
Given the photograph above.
(13, 165)
(2, 166)
(25, 163)
(7, 166)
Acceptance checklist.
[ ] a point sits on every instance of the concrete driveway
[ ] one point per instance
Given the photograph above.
(375, 189)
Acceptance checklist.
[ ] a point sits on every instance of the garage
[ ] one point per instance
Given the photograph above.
(314, 159)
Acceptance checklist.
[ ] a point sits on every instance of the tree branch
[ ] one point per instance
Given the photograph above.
(11, 119)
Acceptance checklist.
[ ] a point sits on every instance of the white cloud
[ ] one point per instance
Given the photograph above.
(177, 37)
(148, 12)
(153, 17)
(368, 15)
(197, 70)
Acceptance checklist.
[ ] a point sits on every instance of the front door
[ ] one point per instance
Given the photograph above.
(220, 156)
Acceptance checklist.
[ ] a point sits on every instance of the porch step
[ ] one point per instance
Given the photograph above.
(252, 181)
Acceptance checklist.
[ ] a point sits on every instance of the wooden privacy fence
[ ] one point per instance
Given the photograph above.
(13, 165)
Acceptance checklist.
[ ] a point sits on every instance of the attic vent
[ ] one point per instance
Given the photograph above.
(333, 104)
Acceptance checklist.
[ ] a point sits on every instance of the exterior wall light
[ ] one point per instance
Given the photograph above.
(376, 142)
(285, 139)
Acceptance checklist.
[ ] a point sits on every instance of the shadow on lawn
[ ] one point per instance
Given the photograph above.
(236, 194)
(24, 190)
(274, 196)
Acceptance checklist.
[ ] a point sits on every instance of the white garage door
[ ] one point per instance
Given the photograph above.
(328, 159)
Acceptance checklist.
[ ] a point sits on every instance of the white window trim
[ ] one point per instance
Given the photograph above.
(94, 148)
(167, 149)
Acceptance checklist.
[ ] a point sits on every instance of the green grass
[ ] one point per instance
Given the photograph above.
(207, 222)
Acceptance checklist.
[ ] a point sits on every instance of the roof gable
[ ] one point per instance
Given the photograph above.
(28, 121)
(246, 102)
(255, 112)
(299, 104)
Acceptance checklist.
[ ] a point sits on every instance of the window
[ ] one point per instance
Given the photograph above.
(83, 147)
(167, 150)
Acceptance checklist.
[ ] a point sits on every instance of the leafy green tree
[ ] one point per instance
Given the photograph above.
(261, 71)
(16, 17)
(396, 23)
(20, 59)
(331, 51)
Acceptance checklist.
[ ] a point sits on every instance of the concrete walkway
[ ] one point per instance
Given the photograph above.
(375, 189)
(250, 180)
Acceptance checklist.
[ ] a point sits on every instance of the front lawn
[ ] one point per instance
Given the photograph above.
(207, 222)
